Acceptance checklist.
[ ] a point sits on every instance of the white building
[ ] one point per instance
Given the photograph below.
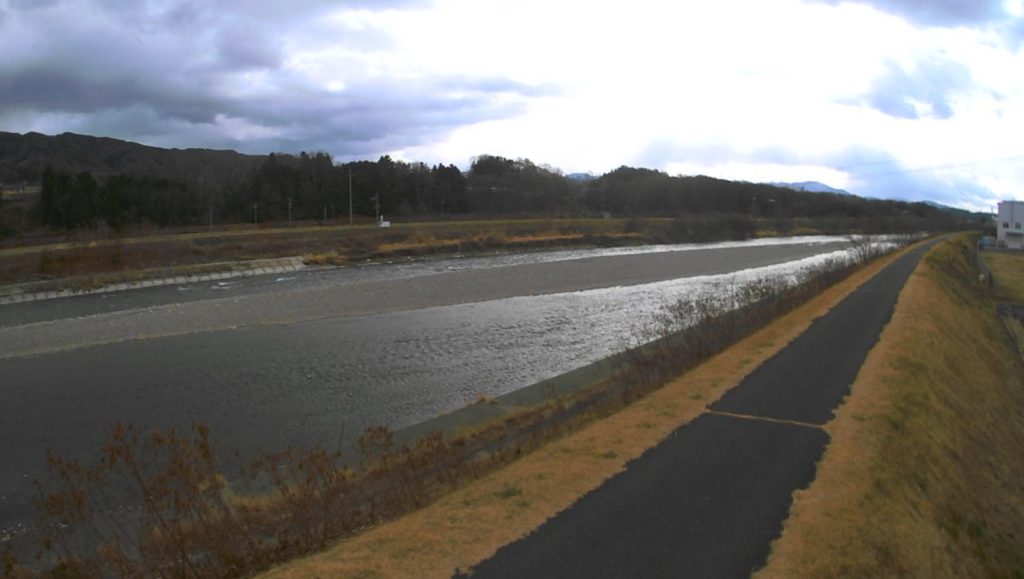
(1010, 224)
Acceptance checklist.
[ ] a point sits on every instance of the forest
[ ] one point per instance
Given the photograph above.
(312, 187)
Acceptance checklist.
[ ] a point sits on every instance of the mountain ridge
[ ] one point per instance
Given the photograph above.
(24, 156)
(810, 187)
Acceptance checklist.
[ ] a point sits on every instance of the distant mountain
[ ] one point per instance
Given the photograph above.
(581, 177)
(23, 158)
(811, 187)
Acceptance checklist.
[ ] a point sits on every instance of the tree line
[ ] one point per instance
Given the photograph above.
(308, 187)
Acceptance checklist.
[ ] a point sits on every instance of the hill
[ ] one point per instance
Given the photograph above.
(23, 158)
(960, 213)
(811, 187)
(98, 181)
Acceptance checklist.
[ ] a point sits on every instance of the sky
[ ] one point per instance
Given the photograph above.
(898, 99)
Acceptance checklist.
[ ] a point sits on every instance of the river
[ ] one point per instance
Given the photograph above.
(320, 355)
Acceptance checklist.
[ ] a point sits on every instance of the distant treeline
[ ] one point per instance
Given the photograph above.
(313, 187)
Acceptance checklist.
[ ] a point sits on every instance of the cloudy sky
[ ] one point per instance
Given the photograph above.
(907, 99)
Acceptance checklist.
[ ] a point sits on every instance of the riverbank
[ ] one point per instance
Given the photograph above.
(380, 345)
(459, 530)
(925, 473)
(91, 259)
(500, 453)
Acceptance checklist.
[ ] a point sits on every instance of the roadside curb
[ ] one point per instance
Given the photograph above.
(17, 295)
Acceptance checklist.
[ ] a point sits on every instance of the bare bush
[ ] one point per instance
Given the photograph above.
(156, 505)
(694, 328)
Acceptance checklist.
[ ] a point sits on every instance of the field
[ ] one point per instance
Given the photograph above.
(1008, 274)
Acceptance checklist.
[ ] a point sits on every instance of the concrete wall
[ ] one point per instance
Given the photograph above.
(1010, 224)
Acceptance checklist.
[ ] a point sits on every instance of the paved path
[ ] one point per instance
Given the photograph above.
(708, 501)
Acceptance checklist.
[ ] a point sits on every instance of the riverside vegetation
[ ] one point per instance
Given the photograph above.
(94, 258)
(156, 504)
(98, 208)
(90, 183)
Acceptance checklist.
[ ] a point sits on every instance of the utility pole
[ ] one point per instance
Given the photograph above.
(350, 196)
(289, 212)
(376, 197)
(201, 181)
(256, 214)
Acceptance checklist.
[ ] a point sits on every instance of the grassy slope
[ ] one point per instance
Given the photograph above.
(925, 473)
(469, 525)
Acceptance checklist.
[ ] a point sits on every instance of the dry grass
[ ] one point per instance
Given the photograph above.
(330, 258)
(1008, 273)
(925, 473)
(44, 255)
(93, 253)
(465, 527)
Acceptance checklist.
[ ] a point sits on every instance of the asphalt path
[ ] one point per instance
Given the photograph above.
(708, 500)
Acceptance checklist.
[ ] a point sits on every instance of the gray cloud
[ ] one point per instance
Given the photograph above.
(981, 14)
(244, 49)
(353, 122)
(211, 74)
(31, 4)
(923, 185)
(876, 173)
(872, 172)
(930, 82)
(939, 12)
(664, 152)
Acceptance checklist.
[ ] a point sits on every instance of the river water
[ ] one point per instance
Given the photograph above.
(282, 378)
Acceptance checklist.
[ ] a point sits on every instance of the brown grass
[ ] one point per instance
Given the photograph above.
(95, 254)
(465, 527)
(45, 255)
(1008, 273)
(925, 473)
